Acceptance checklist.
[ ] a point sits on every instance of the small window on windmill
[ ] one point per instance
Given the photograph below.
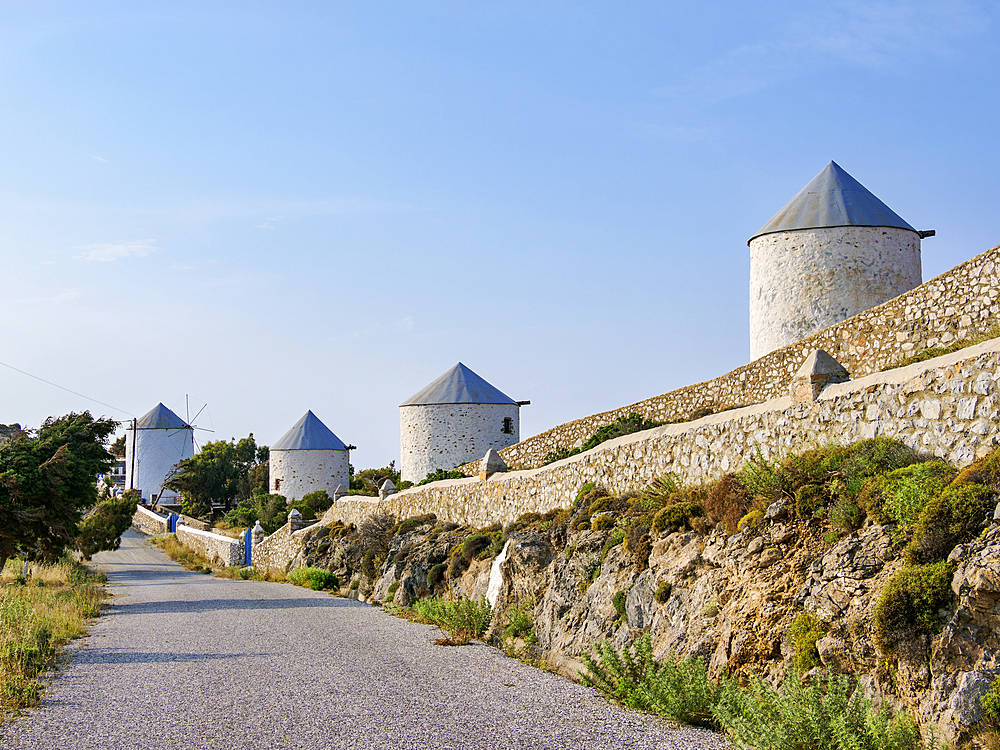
(508, 426)
(277, 484)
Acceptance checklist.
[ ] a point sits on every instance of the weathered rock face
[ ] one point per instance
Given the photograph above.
(728, 599)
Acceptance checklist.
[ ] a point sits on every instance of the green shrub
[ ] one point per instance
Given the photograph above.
(805, 631)
(845, 515)
(619, 600)
(602, 523)
(679, 690)
(985, 470)
(355, 585)
(405, 527)
(990, 702)
(663, 592)
(953, 517)
(675, 517)
(657, 494)
(808, 499)
(393, 587)
(320, 501)
(820, 715)
(518, 623)
(315, 578)
(463, 618)
(307, 513)
(438, 475)
(901, 495)
(616, 537)
(908, 605)
(436, 575)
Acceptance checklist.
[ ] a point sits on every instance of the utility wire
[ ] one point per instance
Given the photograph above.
(56, 385)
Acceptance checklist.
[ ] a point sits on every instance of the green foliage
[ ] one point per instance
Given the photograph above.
(659, 493)
(370, 480)
(845, 515)
(315, 578)
(439, 474)
(953, 517)
(603, 523)
(435, 576)
(678, 689)
(307, 513)
(820, 715)
(619, 600)
(391, 591)
(270, 510)
(901, 495)
(990, 702)
(616, 537)
(675, 517)
(405, 527)
(102, 529)
(663, 592)
(463, 618)
(805, 631)
(518, 622)
(761, 477)
(908, 605)
(47, 481)
(224, 472)
(319, 501)
(809, 498)
(632, 422)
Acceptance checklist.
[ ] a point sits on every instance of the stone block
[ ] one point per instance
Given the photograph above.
(818, 371)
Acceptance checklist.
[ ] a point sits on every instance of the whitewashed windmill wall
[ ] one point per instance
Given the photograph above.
(154, 445)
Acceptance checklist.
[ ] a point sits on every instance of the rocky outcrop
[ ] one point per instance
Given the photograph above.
(730, 599)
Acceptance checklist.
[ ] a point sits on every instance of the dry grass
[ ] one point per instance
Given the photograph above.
(252, 574)
(38, 616)
(186, 556)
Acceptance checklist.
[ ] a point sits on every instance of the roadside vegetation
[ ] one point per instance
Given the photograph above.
(176, 551)
(42, 607)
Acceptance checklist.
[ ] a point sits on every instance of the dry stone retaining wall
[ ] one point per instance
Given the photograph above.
(220, 550)
(277, 550)
(947, 407)
(954, 305)
(148, 522)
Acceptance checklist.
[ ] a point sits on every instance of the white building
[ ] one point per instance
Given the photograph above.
(154, 445)
(308, 458)
(452, 421)
(834, 251)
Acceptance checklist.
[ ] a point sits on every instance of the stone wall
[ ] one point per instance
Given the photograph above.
(147, 522)
(947, 407)
(954, 305)
(279, 549)
(220, 550)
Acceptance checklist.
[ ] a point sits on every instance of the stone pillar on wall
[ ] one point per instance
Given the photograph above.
(491, 464)
(818, 371)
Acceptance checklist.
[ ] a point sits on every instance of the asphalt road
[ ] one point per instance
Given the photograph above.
(187, 661)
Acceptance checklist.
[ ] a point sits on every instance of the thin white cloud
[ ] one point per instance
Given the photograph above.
(269, 223)
(98, 158)
(61, 297)
(105, 253)
(883, 34)
(406, 324)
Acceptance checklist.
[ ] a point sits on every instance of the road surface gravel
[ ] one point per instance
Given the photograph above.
(186, 661)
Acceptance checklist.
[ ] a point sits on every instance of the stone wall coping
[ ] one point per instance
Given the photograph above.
(151, 514)
(902, 375)
(209, 534)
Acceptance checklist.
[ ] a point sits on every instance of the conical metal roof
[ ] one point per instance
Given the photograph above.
(459, 385)
(309, 434)
(833, 199)
(160, 418)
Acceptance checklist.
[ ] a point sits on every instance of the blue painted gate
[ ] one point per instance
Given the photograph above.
(172, 522)
(248, 547)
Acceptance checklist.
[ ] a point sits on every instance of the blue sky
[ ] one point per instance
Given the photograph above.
(276, 207)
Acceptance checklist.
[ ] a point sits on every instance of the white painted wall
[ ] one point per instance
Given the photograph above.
(443, 436)
(157, 451)
(803, 281)
(295, 474)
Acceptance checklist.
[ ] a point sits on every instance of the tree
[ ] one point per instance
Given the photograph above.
(47, 481)
(102, 529)
(222, 472)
